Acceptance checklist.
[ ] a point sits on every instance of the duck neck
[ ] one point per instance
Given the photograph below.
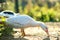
(42, 25)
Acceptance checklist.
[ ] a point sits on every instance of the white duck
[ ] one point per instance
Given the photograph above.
(24, 21)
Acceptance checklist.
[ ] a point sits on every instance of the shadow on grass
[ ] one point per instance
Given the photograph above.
(47, 38)
(11, 38)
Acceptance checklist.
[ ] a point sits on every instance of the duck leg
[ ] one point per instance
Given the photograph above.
(23, 33)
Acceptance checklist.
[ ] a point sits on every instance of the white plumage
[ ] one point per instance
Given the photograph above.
(23, 21)
(7, 13)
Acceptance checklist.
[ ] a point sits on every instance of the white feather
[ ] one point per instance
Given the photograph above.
(24, 21)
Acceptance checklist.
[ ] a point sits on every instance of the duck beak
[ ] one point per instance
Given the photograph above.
(47, 32)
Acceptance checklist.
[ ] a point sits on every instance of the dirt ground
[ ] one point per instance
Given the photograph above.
(36, 33)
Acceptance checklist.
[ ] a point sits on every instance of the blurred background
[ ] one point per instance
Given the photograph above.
(40, 10)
